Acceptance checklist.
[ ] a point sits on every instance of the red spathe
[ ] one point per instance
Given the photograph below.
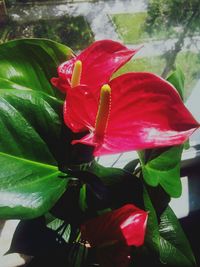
(146, 111)
(126, 224)
(100, 60)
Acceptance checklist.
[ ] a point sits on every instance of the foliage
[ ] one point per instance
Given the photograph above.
(183, 16)
(66, 29)
(71, 30)
(23, 94)
(51, 184)
(9, 3)
(137, 28)
(164, 14)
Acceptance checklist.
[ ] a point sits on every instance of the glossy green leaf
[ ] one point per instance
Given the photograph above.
(175, 249)
(28, 188)
(30, 126)
(152, 237)
(31, 137)
(177, 78)
(162, 166)
(166, 238)
(31, 63)
(31, 116)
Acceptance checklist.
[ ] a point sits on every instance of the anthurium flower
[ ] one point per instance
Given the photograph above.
(133, 111)
(126, 224)
(119, 228)
(95, 65)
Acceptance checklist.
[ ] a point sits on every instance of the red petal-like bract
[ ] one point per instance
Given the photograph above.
(126, 224)
(114, 232)
(100, 60)
(80, 108)
(146, 112)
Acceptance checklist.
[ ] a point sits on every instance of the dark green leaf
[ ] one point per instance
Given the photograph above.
(159, 198)
(167, 238)
(175, 249)
(123, 186)
(131, 166)
(32, 237)
(67, 207)
(110, 175)
(162, 166)
(152, 238)
(28, 189)
(82, 198)
(61, 228)
(78, 255)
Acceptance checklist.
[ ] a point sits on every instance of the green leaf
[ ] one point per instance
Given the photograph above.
(175, 249)
(31, 116)
(30, 126)
(109, 175)
(167, 239)
(61, 228)
(162, 166)
(31, 63)
(177, 78)
(124, 187)
(152, 238)
(159, 198)
(78, 255)
(131, 166)
(28, 189)
(82, 198)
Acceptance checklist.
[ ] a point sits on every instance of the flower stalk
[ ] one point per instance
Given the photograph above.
(76, 75)
(103, 112)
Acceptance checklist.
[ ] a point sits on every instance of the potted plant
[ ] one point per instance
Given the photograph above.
(59, 111)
